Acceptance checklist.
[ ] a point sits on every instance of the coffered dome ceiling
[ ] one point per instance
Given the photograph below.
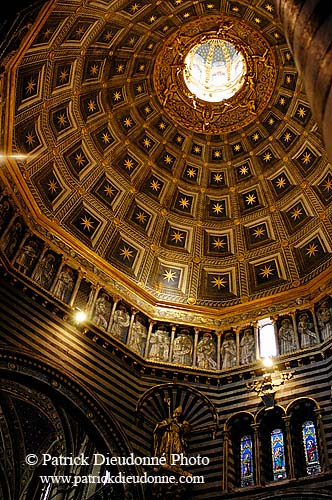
(196, 203)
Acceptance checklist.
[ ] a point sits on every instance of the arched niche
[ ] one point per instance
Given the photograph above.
(306, 436)
(75, 422)
(273, 445)
(239, 452)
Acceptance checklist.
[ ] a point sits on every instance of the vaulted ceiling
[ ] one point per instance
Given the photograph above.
(194, 203)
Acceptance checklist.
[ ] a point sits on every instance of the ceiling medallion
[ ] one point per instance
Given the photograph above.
(215, 75)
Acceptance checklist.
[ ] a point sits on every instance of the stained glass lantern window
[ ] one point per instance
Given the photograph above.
(278, 455)
(310, 448)
(247, 472)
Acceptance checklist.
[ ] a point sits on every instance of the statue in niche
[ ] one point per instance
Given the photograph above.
(138, 335)
(27, 256)
(324, 318)
(13, 238)
(44, 270)
(183, 348)
(305, 329)
(247, 347)
(286, 335)
(64, 284)
(228, 351)
(206, 352)
(102, 311)
(159, 345)
(120, 323)
(171, 435)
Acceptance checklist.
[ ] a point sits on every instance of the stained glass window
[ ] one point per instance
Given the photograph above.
(247, 473)
(310, 448)
(278, 455)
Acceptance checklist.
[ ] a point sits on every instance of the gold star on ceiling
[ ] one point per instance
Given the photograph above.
(244, 170)
(64, 75)
(108, 35)
(237, 147)
(287, 136)
(218, 282)
(109, 191)
(312, 249)
(62, 120)
(139, 89)
(306, 158)
(47, 33)
(259, 232)
(120, 68)
(218, 177)
(217, 208)
(141, 217)
(106, 137)
(52, 186)
(87, 223)
(184, 202)
(282, 101)
(177, 236)
(218, 243)
(197, 149)
(186, 15)
(169, 275)
(135, 6)
(217, 154)
(80, 31)
(271, 121)
(266, 272)
(92, 106)
(128, 163)
(132, 41)
(267, 156)
(146, 142)
(30, 138)
(152, 19)
(255, 136)
(94, 69)
(117, 96)
(168, 159)
(155, 185)
(162, 125)
(126, 253)
(147, 110)
(301, 112)
(296, 214)
(79, 159)
(288, 79)
(191, 172)
(327, 184)
(281, 182)
(127, 122)
(250, 199)
(31, 86)
(269, 7)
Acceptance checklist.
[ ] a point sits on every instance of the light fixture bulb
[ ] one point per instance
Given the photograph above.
(80, 316)
(268, 362)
